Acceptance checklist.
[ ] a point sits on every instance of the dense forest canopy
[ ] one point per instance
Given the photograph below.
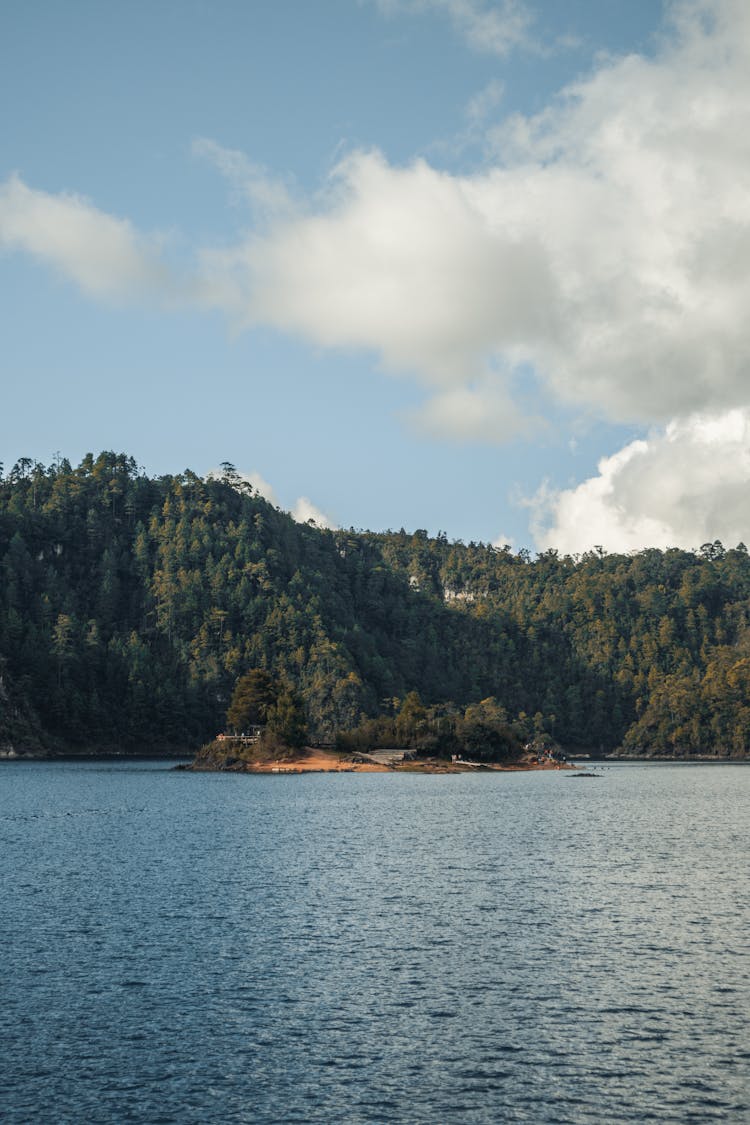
(130, 606)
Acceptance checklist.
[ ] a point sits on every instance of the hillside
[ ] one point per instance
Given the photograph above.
(130, 605)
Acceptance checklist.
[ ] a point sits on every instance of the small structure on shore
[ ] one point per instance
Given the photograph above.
(247, 737)
(382, 757)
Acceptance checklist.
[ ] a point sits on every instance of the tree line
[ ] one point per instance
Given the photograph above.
(131, 606)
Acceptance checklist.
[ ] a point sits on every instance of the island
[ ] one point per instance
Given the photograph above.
(268, 734)
(230, 755)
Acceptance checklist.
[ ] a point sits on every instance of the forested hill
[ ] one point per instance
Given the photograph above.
(130, 605)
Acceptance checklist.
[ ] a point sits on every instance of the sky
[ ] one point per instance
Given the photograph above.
(473, 266)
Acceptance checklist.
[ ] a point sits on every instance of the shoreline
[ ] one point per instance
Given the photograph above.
(663, 759)
(311, 760)
(144, 755)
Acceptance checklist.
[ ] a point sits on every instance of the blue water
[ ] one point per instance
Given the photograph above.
(374, 948)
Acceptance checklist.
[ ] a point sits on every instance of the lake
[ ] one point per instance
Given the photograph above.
(374, 947)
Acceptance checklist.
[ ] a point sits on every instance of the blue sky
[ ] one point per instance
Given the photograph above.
(453, 264)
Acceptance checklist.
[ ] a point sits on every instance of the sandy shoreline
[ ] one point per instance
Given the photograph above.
(312, 760)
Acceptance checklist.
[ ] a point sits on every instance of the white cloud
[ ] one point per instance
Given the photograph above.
(403, 262)
(482, 412)
(681, 487)
(503, 541)
(251, 183)
(259, 484)
(303, 510)
(485, 102)
(607, 248)
(490, 26)
(104, 255)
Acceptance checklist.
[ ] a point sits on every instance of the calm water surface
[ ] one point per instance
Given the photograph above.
(374, 948)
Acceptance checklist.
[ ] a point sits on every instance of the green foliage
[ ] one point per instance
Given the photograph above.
(131, 606)
(254, 695)
(481, 733)
(411, 719)
(484, 733)
(286, 718)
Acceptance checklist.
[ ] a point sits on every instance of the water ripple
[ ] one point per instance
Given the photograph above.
(213, 948)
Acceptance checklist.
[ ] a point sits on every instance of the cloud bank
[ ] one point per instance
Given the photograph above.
(604, 249)
(679, 488)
